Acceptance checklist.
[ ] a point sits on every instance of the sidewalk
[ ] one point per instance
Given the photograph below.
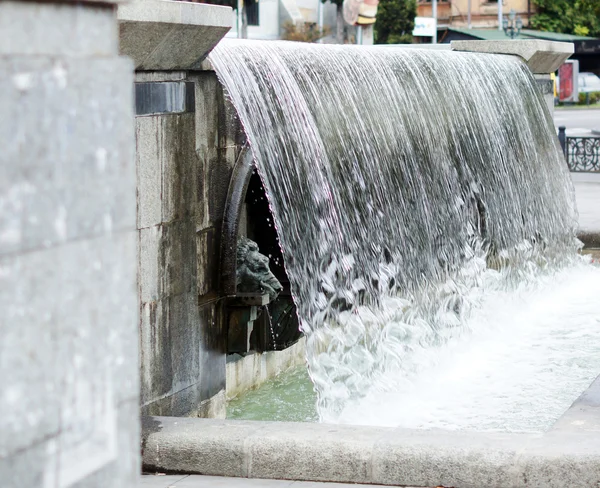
(199, 481)
(587, 195)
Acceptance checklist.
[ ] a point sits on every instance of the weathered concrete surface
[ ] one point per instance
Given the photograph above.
(68, 340)
(541, 57)
(184, 162)
(341, 453)
(168, 35)
(587, 194)
(198, 481)
(254, 369)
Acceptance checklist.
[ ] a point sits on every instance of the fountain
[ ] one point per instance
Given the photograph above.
(413, 191)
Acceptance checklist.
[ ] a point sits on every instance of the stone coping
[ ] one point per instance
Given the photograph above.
(540, 56)
(566, 456)
(170, 35)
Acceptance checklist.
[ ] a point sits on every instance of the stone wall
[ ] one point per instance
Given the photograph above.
(68, 340)
(184, 161)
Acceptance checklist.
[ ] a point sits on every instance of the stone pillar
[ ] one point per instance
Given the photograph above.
(68, 327)
(541, 57)
(182, 151)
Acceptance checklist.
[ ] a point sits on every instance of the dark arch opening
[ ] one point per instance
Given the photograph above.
(247, 214)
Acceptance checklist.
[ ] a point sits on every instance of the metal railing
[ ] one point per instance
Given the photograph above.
(582, 153)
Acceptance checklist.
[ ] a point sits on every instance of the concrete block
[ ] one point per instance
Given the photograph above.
(69, 171)
(172, 352)
(184, 340)
(567, 458)
(31, 467)
(428, 458)
(149, 278)
(57, 29)
(148, 137)
(399, 457)
(150, 314)
(539, 55)
(195, 445)
(212, 358)
(207, 261)
(177, 258)
(315, 452)
(164, 35)
(179, 166)
(28, 350)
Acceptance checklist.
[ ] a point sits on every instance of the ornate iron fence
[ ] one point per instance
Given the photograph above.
(582, 153)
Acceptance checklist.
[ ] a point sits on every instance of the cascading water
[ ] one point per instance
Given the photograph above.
(408, 187)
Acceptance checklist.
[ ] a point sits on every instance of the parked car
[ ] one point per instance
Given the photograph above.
(588, 83)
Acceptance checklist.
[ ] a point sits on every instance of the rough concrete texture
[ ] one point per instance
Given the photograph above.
(540, 56)
(54, 29)
(68, 338)
(254, 369)
(356, 454)
(200, 481)
(184, 164)
(167, 35)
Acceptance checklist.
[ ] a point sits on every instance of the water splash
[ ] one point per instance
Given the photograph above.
(405, 185)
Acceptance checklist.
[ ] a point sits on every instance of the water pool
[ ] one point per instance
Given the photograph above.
(527, 356)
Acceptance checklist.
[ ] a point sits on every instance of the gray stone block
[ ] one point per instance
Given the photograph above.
(540, 56)
(30, 467)
(149, 279)
(179, 166)
(212, 358)
(196, 445)
(161, 35)
(314, 452)
(57, 29)
(149, 171)
(28, 355)
(68, 166)
(427, 458)
(208, 264)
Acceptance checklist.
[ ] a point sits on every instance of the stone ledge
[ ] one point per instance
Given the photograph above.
(357, 454)
(539, 55)
(167, 35)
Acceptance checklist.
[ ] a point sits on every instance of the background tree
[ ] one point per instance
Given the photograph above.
(579, 17)
(395, 21)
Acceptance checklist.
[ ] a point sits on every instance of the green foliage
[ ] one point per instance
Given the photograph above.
(589, 98)
(395, 21)
(579, 17)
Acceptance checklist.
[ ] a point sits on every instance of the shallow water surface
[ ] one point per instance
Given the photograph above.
(527, 356)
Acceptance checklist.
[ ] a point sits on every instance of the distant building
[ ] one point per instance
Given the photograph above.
(266, 18)
(484, 13)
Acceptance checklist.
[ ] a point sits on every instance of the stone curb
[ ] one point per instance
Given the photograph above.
(357, 454)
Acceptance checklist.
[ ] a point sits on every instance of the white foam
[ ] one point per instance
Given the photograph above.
(529, 353)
